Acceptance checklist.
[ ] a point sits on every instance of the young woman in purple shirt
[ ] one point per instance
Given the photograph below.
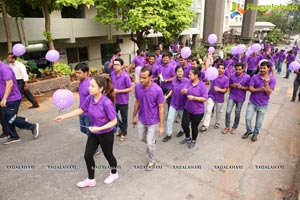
(100, 107)
(196, 94)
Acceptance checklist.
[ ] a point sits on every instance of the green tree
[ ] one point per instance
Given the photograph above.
(139, 17)
(274, 36)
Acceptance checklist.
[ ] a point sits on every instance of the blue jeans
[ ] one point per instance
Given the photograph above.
(260, 113)
(11, 120)
(84, 123)
(238, 108)
(171, 118)
(287, 74)
(279, 67)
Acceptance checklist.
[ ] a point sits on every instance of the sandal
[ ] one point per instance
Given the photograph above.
(225, 131)
(233, 131)
(149, 166)
(119, 133)
(122, 138)
(217, 125)
(203, 128)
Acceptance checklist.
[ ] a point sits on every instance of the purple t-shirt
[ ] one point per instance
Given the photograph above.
(290, 58)
(158, 59)
(252, 62)
(281, 57)
(155, 70)
(235, 93)
(138, 61)
(199, 90)
(260, 98)
(244, 59)
(6, 74)
(229, 71)
(100, 112)
(149, 100)
(187, 69)
(178, 100)
(221, 82)
(120, 82)
(167, 73)
(83, 89)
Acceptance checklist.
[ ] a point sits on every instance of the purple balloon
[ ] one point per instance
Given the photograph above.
(52, 55)
(294, 66)
(234, 50)
(19, 49)
(63, 98)
(185, 52)
(256, 47)
(212, 38)
(241, 48)
(211, 49)
(211, 73)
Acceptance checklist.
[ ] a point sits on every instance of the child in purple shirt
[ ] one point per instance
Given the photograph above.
(261, 86)
(101, 110)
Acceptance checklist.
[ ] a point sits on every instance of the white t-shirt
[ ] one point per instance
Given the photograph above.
(19, 70)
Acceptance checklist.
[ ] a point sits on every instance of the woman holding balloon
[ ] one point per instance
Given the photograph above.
(100, 107)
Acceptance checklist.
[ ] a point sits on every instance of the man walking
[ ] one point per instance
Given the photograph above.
(261, 86)
(149, 107)
(10, 98)
(22, 78)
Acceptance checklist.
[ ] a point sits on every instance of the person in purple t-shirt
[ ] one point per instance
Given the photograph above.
(216, 92)
(167, 74)
(10, 99)
(238, 84)
(196, 93)
(177, 102)
(100, 107)
(82, 73)
(289, 58)
(117, 54)
(149, 106)
(122, 85)
(138, 60)
(251, 64)
(158, 56)
(186, 66)
(281, 58)
(261, 86)
(154, 68)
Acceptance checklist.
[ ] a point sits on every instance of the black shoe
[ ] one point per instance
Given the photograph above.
(246, 135)
(254, 137)
(179, 134)
(3, 136)
(34, 106)
(167, 138)
(292, 100)
(11, 140)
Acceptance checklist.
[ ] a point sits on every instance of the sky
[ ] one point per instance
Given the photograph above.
(275, 2)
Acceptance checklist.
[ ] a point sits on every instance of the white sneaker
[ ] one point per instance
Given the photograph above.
(86, 183)
(111, 178)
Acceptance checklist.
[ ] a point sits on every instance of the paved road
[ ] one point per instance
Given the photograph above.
(220, 167)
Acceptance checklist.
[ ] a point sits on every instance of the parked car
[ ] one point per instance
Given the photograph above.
(294, 39)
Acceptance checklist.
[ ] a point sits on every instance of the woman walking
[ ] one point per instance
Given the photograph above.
(100, 107)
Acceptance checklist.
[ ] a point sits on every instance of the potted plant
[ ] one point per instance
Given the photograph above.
(38, 96)
(62, 69)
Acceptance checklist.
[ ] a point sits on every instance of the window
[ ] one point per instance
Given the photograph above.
(28, 11)
(77, 54)
(71, 12)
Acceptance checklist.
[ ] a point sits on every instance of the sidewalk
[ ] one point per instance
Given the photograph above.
(220, 167)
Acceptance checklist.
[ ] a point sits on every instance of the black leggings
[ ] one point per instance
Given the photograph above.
(106, 141)
(195, 121)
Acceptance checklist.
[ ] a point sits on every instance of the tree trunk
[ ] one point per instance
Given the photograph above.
(138, 39)
(47, 22)
(7, 28)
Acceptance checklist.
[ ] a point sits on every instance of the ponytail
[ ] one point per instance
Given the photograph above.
(108, 88)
